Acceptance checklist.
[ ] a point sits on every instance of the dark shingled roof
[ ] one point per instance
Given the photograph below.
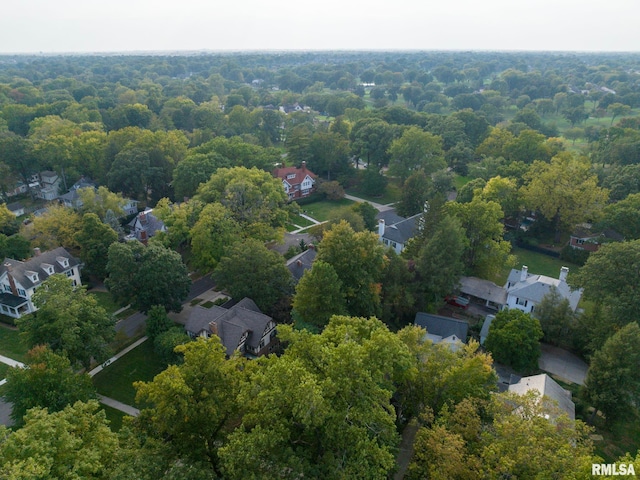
(12, 300)
(301, 263)
(402, 231)
(148, 221)
(37, 265)
(245, 316)
(442, 326)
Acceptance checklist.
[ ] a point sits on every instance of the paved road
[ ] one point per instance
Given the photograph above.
(123, 407)
(563, 364)
(200, 286)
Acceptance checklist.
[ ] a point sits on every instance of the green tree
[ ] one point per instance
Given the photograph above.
(57, 226)
(613, 379)
(416, 150)
(397, 294)
(254, 197)
(555, 316)
(373, 183)
(193, 406)
(67, 445)
(440, 261)
(329, 154)
(618, 110)
(624, 217)
(368, 213)
(68, 320)
(371, 139)
(415, 192)
(214, 230)
(565, 191)
(486, 251)
(249, 269)
(609, 277)
(100, 201)
(358, 259)
(197, 168)
(147, 276)
(15, 246)
(157, 322)
(514, 339)
(47, 382)
(94, 239)
(319, 295)
(528, 146)
(504, 192)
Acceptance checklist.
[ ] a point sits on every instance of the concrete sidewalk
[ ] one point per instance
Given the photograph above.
(108, 362)
(11, 362)
(110, 402)
(377, 206)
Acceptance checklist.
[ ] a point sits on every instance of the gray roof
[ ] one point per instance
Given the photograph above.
(547, 387)
(403, 230)
(389, 216)
(535, 287)
(245, 316)
(12, 300)
(37, 265)
(301, 263)
(71, 196)
(443, 327)
(486, 325)
(483, 289)
(148, 222)
(15, 206)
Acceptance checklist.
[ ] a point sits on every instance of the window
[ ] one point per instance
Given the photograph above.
(522, 301)
(394, 244)
(532, 308)
(291, 176)
(7, 288)
(580, 241)
(69, 273)
(22, 293)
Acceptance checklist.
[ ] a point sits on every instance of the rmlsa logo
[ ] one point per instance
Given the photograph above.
(612, 469)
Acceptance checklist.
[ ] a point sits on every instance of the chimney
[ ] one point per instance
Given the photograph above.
(524, 273)
(299, 263)
(311, 246)
(143, 218)
(8, 266)
(380, 228)
(36, 251)
(304, 165)
(12, 282)
(564, 271)
(213, 327)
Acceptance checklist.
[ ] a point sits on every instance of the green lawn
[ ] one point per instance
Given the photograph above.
(114, 416)
(538, 263)
(106, 301)
(11, 344)
(3, 370)
(391, 194)
(140, 364)
(325, 209)
(460, 181)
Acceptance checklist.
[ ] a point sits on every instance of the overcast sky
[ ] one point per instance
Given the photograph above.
(31, 26)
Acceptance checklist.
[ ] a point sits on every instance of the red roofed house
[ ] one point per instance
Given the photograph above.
(297, 182)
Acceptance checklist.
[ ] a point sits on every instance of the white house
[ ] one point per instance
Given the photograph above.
(526, 290)
(297, 182)
(48, 186)
(18, 280)
(395, 231)
(548, 390)
(145, 225)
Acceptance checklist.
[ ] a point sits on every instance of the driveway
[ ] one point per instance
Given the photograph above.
(565, 365)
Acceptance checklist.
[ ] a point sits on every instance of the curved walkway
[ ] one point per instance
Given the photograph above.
(110, 402)
(377, 206)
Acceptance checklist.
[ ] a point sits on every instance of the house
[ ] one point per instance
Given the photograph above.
(297, 182)
(16, 208)
(131, 207)
(242, 327)
(145, 225)
(550, 392)
(71, 199)
(526, 290)
(302, 262)
(395, 231)
(483, 291)
(18, 280)
(585, 239)
(47, 186)
(18, 189)
(443, 329)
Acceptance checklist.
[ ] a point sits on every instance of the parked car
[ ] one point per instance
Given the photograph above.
(457, 301)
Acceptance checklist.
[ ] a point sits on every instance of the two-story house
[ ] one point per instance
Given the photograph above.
(19, 280)
(395, 231)
(145, 225)
(48, 185)
(242, 327)
(526, 290)
(297, 182)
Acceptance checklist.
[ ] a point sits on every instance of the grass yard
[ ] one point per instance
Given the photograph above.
(391, 194)
(3, 370)
(325, 209)
(114, 416)
(11, 344)
(106, 301)
(460, 181)
(140, 364)
(538, 263)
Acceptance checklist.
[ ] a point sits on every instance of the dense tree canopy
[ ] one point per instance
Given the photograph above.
(514, 339)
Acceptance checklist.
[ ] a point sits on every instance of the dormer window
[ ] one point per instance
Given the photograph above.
(63, 261)
(291, 176)
(48, 268)
(33, 276)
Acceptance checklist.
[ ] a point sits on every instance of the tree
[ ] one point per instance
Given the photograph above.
(358, 259)
(440, 261)
(196, 169)
(397, 294)
(618, 110)
(416, 150)
(514, 339)
(486, 251)
(565, 191)
(373, 182)
(100, 201)
(415, 192)
(214, 230)
(368, 213)
(504, 192)
(147, 276)
(609, 277)
(528, 146)
(555, 316)
(249, 269)
(613, 379)
(193, 406)
(329, 154)
(254, 197)
(71, 444)
(371, 139)
(48, 381)
(68, 320)
(331, 190)
(15, 246)
(624, 217)
(57, 226)
(319, 295)
(157, 322)
(94, 239)
(8, 222)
